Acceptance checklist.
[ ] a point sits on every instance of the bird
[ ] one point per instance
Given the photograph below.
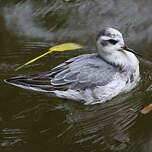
(90, 78)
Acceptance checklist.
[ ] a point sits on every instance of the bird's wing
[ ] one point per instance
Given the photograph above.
(84, 71)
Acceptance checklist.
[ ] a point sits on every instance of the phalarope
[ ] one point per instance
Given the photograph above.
(93, 78)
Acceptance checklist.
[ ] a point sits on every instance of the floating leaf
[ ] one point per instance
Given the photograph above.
(61, 47)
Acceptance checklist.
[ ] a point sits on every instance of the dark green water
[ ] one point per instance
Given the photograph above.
(33, 122)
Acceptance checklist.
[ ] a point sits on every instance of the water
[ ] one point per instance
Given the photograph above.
(37, 122)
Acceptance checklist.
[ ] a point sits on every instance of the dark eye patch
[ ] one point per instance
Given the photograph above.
(112, 41)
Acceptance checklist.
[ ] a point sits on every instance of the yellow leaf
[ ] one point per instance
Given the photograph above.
(61, 47)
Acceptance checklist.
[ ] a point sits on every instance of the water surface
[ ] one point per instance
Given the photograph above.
(37, 122)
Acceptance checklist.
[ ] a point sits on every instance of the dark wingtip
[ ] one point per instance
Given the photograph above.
(9, 81)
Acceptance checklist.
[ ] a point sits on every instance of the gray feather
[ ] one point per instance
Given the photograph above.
(85, 71)
(81, 72)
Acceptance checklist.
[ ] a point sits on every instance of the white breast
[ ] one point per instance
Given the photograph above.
(122, 81)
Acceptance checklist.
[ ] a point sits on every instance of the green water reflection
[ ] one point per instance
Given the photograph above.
(37, 122)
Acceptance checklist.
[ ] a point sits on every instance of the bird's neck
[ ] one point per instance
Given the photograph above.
(124, 60)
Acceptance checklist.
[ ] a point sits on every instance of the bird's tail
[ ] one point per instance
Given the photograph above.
(31, 83)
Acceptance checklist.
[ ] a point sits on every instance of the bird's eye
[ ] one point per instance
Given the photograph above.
(113, 41)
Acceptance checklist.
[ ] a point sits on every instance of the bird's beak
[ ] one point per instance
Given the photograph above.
(130, 50)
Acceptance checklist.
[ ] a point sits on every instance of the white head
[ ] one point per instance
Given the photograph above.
(111, 47)
(109, 40)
